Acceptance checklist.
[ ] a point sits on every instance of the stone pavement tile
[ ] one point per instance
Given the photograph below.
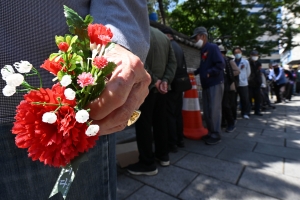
(249, 130)
(275, 126)
(204, 187)
(252, 159)
(222, 170)
(271, 183)
(293, 129)
(171, 180)
(256, 137)
(149, 193)
(293, 143)
(126, 186)
(198, 146)
(291, 168)
(236, 143)
(283, 152)
(281, 134)
(230, 135)
(242, 122)
(174, 157)
(256, 125)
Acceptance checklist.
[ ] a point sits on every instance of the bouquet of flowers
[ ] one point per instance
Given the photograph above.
(53, 124)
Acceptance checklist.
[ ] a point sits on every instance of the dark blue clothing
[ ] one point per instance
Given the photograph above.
(212, 63)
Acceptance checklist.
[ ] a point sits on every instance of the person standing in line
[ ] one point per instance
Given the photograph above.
(277, 74)
(255, 82)
(161, 65)
(175, 98)
(229, 105)
(243, 92)
(211, 73)
(29, 35)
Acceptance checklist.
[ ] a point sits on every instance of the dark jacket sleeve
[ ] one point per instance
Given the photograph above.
(171, 66)
(217, 62)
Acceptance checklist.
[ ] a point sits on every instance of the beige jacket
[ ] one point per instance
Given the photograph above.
(236, 71)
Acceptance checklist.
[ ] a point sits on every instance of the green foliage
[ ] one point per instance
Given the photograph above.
(231, 22)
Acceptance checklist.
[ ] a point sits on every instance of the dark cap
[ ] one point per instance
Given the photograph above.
(254, 52)
(167, 31)
(199, 30)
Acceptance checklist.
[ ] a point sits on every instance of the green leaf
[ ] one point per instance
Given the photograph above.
(68, 39)
(53, 55)
(73, 66)
(60, 74)
(75, 22)
(73, 40)
(59, 39)
(108, 69)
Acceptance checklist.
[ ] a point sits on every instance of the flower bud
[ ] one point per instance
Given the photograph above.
(82, 116)
(49, 117)
(70, 94)
(8, 90)
(6, 71)
(66, 80)
(23, 66)
(14, 80)
(92, 130)
(63, 46)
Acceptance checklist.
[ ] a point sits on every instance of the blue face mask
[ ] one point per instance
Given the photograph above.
(238, 56)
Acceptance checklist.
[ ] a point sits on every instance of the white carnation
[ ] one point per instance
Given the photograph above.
(49, 117)
(82, 116)
(8, 90)
(92, 130)
(66, 80)
(70, 94)
(23, 66)
(6, 71)
(14, 80)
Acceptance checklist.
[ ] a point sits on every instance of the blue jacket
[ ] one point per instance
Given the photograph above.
(212, 63)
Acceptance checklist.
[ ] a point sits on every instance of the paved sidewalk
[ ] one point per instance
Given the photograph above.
(259, 160)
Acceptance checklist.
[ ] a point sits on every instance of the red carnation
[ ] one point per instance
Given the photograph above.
(100, 61)
(63, 46)
(99, 34)
(52, 66)
(53, 144)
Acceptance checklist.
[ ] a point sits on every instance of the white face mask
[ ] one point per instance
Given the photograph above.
(199, 43)
(255, 58)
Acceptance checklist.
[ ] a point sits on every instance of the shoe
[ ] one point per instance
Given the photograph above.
(230, 129)
(212, 141)
(246, 117)
(163, 161)
(258, 114)
(278, 102)
(173, 148)
(142, 169)
(181, 144)
(205, 137)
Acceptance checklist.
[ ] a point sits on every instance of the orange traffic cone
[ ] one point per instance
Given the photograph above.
(192, 119)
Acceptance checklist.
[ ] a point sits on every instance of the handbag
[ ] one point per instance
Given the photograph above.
(182, 81)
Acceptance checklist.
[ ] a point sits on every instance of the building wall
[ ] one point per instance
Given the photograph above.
(192, 55)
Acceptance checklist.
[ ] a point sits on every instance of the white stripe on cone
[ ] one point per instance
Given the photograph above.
(191, 104)
(194, 87)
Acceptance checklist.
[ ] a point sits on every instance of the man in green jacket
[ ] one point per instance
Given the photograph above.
(161, 65)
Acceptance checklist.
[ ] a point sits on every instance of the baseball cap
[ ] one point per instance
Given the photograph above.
(254, 52)
(199, 30)
(167, 31)
(274, 64)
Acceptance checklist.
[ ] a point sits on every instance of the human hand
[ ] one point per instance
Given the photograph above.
(125, 91)
(157, 84)
(163, 87)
